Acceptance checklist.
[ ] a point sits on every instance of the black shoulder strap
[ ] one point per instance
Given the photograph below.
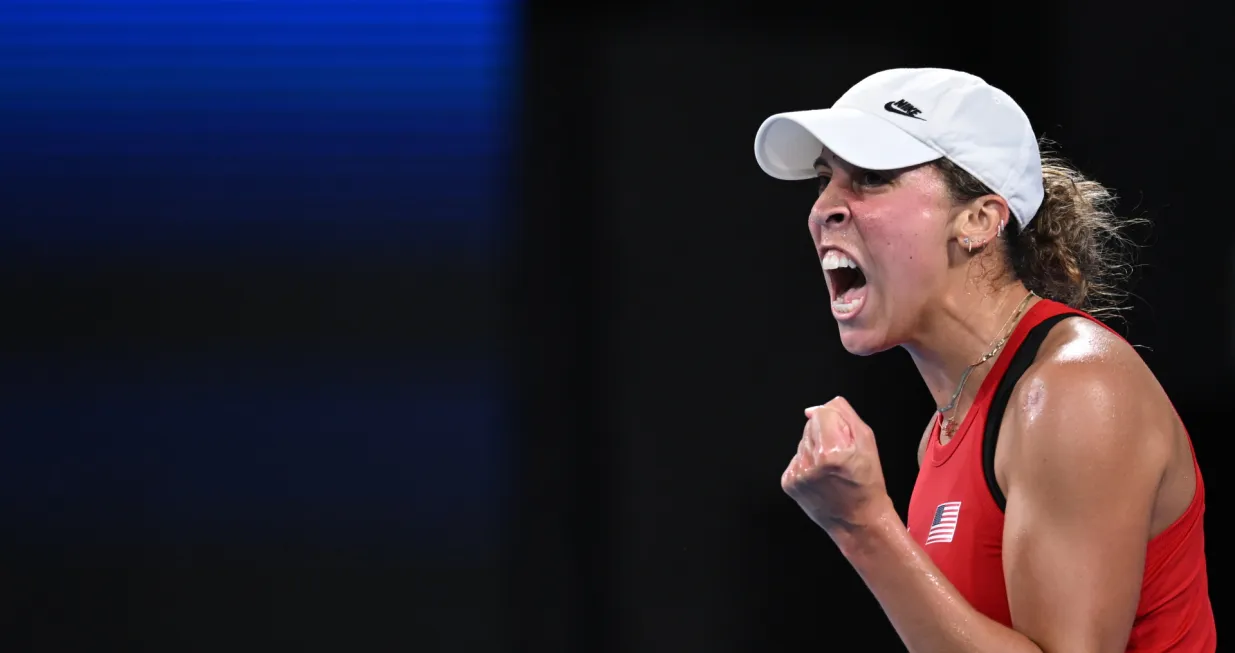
(1021, 360)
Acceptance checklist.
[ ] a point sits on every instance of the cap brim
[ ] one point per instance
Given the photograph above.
(788, 144)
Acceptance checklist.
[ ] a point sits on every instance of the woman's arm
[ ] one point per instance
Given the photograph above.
(1090, 447)
(1081, 482)
(928, 613)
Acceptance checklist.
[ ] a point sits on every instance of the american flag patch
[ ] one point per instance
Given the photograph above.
(943, 526)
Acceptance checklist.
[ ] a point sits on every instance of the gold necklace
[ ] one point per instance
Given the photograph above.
(949, 423)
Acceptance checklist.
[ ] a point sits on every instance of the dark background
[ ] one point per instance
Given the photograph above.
(474, 326)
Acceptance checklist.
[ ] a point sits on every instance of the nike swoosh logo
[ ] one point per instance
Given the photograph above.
(893, 109)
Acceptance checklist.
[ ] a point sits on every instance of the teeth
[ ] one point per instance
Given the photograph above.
(842, 307)
(834, 259)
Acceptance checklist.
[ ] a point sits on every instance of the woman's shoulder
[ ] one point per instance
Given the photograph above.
(1089, 394)
(1082, 367)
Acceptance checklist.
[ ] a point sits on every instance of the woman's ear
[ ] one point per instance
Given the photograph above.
(981, 221)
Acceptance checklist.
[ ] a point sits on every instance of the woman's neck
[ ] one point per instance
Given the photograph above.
(962, 328)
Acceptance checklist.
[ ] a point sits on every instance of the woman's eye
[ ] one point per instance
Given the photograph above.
(864, 178)
(870, 178)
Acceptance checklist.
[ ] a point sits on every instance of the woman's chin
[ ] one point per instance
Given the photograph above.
(861, 342)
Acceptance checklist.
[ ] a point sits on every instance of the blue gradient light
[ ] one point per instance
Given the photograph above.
(407, 101)
(162, 129)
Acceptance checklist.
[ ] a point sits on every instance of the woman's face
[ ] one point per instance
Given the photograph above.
(882, 238)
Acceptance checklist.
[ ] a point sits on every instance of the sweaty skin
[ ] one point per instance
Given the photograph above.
(1091, 456)
(1094, 464)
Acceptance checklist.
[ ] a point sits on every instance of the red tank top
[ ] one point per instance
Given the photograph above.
(956, 515)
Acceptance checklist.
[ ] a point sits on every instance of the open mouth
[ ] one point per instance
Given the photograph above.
(846, 283)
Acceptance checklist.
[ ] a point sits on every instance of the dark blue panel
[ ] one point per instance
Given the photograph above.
(252, 108)
(184, 446)
(289, 128)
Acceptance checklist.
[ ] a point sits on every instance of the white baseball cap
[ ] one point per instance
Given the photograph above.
(908, 116)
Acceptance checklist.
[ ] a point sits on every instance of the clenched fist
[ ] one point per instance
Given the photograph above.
(836, 477)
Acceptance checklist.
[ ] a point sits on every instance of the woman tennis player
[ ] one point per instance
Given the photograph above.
(1059, 505)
